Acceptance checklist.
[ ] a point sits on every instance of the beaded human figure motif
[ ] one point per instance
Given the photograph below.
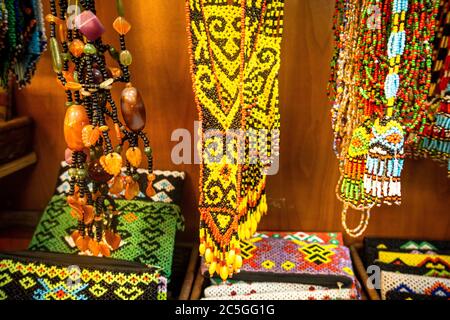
(235, 58)
(385, 158)
(83, 72)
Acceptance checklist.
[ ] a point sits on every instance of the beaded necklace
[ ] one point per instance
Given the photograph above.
(82, 71)
(234, 49)
(385, 159)
(22, 40)
(369, 137)
(435, 138)
(368, 65)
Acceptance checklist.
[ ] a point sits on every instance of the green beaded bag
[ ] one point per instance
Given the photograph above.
(147, 229)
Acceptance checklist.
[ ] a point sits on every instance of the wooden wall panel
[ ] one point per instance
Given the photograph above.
(301, 196)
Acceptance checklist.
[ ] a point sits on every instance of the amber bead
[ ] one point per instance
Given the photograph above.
(75, 120)
(133, 108)
(134, 156)
(90, 135)
(150, 191)
(131, 188)
(116, 186)
(112, 163)
(76, 48)
(75, 235)
(82, 243)
(121, 25)
(104, 249)
(94, 247)
(52, 18)
(88, 214)
(62, 31)
(114, 72)
(68, 76)
(113, 239)
(73, 86)
(97, 173)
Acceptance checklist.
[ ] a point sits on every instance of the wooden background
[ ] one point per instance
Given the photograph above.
(301, 196)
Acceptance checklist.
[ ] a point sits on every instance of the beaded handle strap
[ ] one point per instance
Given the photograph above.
(363, 223)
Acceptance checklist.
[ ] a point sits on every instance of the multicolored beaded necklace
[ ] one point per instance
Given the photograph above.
(370, 138)
(83, 72)
(434, 141)
(22, 40)
(235, 57)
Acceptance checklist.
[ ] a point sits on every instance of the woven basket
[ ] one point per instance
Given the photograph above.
(15, 138)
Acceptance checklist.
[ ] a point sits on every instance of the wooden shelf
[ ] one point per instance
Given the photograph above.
(18, 164)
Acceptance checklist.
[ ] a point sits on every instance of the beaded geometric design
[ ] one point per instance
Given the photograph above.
(235, 59)
(317, 254)
(430, 286)
(147, 229)
(372, 246)
(25, 280)
(274, 259)
(435, 262)
(306, 237)
(168, 184)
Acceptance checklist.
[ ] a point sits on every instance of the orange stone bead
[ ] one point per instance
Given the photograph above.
(121, 25)
(134, 156)
(82, 243)
(51, 18)
(112, 163)
(115, 72)
(94, 247)
(75, 120)
(76, 47)
(73, 86)
(113, 239)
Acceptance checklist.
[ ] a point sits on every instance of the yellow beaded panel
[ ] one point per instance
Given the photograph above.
(235, 59)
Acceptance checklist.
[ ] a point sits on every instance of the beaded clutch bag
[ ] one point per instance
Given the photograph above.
(280, 260)
(147, 229)
(328, 294)
(247, 290)
(414, 284)
(373, 245)
(49, 276)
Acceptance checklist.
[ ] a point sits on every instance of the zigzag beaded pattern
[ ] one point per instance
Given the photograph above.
(38, 281)
(147, 228)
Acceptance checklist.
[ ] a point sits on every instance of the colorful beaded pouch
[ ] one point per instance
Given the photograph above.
(271, 259)
(432, 265)
(242, 290)
(328, 294)
(44, 276)
(413, 284)
(372, 246)
(148, 231)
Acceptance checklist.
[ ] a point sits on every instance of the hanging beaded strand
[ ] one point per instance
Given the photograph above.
(385, 158)
(81, 68)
